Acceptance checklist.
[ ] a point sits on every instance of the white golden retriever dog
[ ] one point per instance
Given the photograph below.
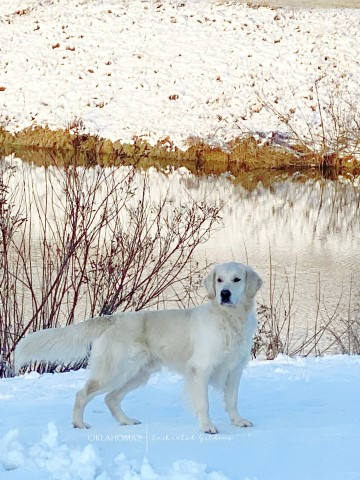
(208, 344)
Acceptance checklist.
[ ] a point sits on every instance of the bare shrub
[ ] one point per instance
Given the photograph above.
(93, 241)
(335, 328)
(331, 133)
(149, 254)
(11, 221)
(275, 329)
(343, 329)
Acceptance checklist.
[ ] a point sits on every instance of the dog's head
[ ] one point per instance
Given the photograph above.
(230, 283)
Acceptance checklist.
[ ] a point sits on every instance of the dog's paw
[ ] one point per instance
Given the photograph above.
(241, 422)
(211, 429)
(131, 421)
(81, 425)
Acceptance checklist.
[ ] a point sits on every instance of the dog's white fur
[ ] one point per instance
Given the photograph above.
(208, 344)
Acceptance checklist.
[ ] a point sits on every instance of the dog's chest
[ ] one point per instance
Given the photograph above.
(237, 339)
(234, 335)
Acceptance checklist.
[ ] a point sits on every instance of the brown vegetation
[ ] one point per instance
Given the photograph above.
(42, 145)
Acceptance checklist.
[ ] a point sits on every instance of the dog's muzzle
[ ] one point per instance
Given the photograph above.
(225, 297)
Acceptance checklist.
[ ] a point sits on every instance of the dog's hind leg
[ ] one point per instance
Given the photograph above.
(113, 363)
(83, 397)
(124, 384)
(113, 399)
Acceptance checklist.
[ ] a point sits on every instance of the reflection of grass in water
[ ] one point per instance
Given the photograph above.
(43, 146)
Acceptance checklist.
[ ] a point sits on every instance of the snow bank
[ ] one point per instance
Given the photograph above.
(177, 68)
(49, 459)
(305, 412)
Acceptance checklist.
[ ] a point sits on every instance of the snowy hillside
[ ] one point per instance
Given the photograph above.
(176, 68)
(305, 413)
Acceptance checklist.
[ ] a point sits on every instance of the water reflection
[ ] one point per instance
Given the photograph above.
(302, 235)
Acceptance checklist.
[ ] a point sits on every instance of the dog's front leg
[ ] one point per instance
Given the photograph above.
(231, 390)
(198, 386)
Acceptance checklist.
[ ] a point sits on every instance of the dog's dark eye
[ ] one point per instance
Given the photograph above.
(236, 279)
(219, 280)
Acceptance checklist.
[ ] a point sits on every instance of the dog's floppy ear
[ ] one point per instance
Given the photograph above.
(209, 284)
(253, 282)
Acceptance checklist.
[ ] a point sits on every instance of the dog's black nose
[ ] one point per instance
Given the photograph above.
(225, 296)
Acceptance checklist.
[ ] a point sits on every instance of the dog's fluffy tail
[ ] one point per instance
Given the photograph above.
(60, 346)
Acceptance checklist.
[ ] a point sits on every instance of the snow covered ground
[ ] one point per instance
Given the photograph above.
(175, 67)
(180, 68)
(305, 413)
(308, 3)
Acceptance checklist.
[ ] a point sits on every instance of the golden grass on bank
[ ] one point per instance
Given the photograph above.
(43, 146)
